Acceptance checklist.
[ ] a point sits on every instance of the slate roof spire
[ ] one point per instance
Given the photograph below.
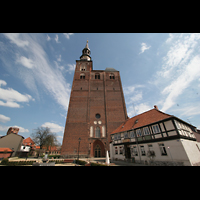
(86, 53)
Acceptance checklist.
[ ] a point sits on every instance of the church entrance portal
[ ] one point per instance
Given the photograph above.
(98, 149)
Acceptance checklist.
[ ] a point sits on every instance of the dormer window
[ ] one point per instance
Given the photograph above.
(97, 76)
(112, 76)
(82, 76)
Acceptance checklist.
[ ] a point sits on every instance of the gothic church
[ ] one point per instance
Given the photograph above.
(96, 108)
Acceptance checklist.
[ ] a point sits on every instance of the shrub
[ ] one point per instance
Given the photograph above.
(4, 161)
(97, 164)
(16, 163)
(80, 162)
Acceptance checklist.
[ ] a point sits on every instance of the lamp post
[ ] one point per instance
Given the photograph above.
(79, 146)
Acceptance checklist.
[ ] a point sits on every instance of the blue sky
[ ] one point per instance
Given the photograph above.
(36, 74)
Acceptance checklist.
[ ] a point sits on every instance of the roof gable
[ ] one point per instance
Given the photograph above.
(11, 135)
(28, 140)
(143, 119)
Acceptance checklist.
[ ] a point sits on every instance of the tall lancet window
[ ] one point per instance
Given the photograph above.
(97, 132)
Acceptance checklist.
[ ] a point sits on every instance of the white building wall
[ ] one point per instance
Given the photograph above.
(27, 148)
(175, 152)
(192, 149)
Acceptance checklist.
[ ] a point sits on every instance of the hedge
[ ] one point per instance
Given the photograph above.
(5, 161)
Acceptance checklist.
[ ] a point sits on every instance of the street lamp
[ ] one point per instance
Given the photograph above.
(79, 146)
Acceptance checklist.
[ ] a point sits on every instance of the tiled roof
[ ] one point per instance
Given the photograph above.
(2, 149)
(143, 119)
(28, 141)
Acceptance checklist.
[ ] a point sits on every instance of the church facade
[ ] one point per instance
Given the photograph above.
(96, 108)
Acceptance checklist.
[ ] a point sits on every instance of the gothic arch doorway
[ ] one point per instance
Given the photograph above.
(98, 149)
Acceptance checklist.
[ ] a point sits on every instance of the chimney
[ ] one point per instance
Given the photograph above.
(156, 107)
(13, 130)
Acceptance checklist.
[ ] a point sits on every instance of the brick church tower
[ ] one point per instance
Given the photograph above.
(96, 108)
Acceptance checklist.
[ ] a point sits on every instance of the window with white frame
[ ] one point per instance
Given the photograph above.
(138, 132)
(115, 137)
(116, 150)
(150, 147)
(142, 150)
(118, 136)
(125, 135)
(120, 150)
(135, 150)
(132, 135)
(156, 128)
(163, 150)
(146, 131)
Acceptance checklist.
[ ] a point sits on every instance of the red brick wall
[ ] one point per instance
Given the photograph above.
(90, 96)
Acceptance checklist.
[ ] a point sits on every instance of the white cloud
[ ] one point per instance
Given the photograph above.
(48, 38)
(180, 52)
(190, 110)
(71, 68)
(25, 62)
(192, 72)
(12, 96)
(179, 70)
(67, 35)
(4, 119)
(171, 36)
(137, 97)
(9, 104)
(59, 138)
(54, 127)
(4, 128)
(21, 129)
(130, 89)
(59, 58)
(142, 107)
(14, 38)
(2, 82)
(49, 78)
(56, 39)
(144, 47)
(138, 109)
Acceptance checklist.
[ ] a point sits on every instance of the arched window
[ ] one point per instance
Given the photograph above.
(112, 76)
(97, 76)
(97, 132)
(82, 76)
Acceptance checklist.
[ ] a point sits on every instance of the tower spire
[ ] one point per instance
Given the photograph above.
(86, 46)
(86, 53)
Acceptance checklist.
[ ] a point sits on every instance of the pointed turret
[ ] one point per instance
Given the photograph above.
(86, 53)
